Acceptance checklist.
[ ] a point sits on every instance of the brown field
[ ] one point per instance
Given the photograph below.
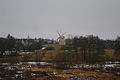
(109, 51)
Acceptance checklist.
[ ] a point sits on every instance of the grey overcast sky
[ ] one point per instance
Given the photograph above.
(42, 18)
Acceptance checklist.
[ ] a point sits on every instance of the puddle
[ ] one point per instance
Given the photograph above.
(19, 72)
(111, 65)
(4, 64)
(78, 78)
(35, 63)
(18, 75)
(107, 64)
(29, 63)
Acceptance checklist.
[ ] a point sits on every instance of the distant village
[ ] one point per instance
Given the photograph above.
(11, 45)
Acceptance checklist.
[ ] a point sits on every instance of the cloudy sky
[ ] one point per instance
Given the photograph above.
(42, 18)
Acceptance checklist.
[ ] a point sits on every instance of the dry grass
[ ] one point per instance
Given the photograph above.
(54, 74)
(109, 51)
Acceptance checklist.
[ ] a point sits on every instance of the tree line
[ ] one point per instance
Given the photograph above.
(11, 44)
(92, 49)
(87, 48)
